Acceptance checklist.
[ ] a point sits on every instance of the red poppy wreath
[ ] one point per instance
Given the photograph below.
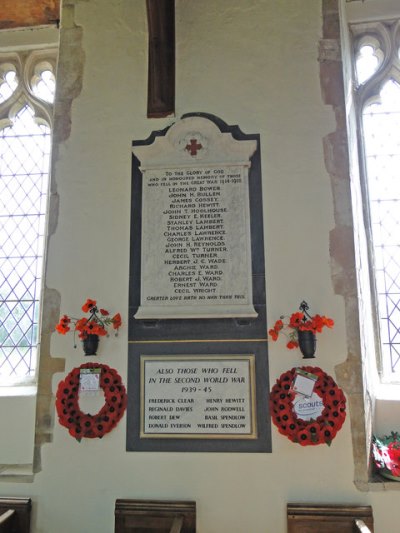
(302, 429)
(83, 425)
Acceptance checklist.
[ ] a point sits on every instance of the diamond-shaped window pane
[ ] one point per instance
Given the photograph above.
(24, 166)
(381, 123)
(8, 84)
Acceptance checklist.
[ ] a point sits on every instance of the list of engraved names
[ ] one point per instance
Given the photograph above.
(198, 396)
(200, 231)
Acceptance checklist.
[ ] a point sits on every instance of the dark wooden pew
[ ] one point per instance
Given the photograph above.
(152, 516)
(329, 518)
(15, 515)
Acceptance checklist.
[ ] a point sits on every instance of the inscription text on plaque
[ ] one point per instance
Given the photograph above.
(198, 396)
(196, 247)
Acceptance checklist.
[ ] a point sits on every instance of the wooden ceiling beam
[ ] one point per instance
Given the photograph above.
(161, 73)
(28, 13)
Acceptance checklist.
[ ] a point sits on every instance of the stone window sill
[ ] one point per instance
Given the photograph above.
(18, 390)
(16, 473)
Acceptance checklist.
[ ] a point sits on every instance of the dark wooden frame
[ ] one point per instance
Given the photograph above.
(20, 521)
(161, 70)
(135, 516)
(328, 518)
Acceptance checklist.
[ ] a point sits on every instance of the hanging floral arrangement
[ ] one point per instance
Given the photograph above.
(95, 324)
(300, 329)
(308, 431)
(83, 425)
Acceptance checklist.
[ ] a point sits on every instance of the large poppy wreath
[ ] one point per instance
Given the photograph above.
(321, 430)
(83, 425)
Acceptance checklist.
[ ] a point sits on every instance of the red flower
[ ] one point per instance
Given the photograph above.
(87, 423)
(328, 434)
(303, 437)
(116, 321)
(273, 334)
(292, 344)
(296, 319)
(61, 328)
(106, 379)
(286, 415)
(88, 305)
(314, 431)
(101, 331)
(81, 324)
(393, 450)
(92, 328)
(328, 322)
(65, 320)
(104, 312)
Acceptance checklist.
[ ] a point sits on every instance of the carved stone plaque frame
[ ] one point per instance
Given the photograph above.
(236, 257)
(197, 182)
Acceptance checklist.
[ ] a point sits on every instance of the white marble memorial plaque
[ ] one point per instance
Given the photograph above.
(196, 248)
(198, 397)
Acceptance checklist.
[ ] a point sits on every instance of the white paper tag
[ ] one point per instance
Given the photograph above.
(304, 383)
(89, 379)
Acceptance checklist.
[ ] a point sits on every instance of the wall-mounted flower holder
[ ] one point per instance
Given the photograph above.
(90, 344)
(307, 343)
(301, 329)
(90, 328)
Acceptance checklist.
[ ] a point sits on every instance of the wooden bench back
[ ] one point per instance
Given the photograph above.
(328, 518)
(152, 516)
(18, 521)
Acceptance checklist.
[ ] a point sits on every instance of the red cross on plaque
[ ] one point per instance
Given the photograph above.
(193, 147)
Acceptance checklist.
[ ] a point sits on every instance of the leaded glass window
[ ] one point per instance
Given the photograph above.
(378, 100)
(27, 87)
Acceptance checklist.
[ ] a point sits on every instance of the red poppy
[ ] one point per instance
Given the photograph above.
(292, 344)
(314, 431)
(104, 312)
(286, 415)
(296, 320)
(106, 378)
(328, 434)
(393, 453)
(81, 324)
(303, 437)
(101, 331)
(116, 321)
(63, 329)
(87, 423)
(88, 305)
(92, 328)
(273, 334)
(306, 326)
(328, 322)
